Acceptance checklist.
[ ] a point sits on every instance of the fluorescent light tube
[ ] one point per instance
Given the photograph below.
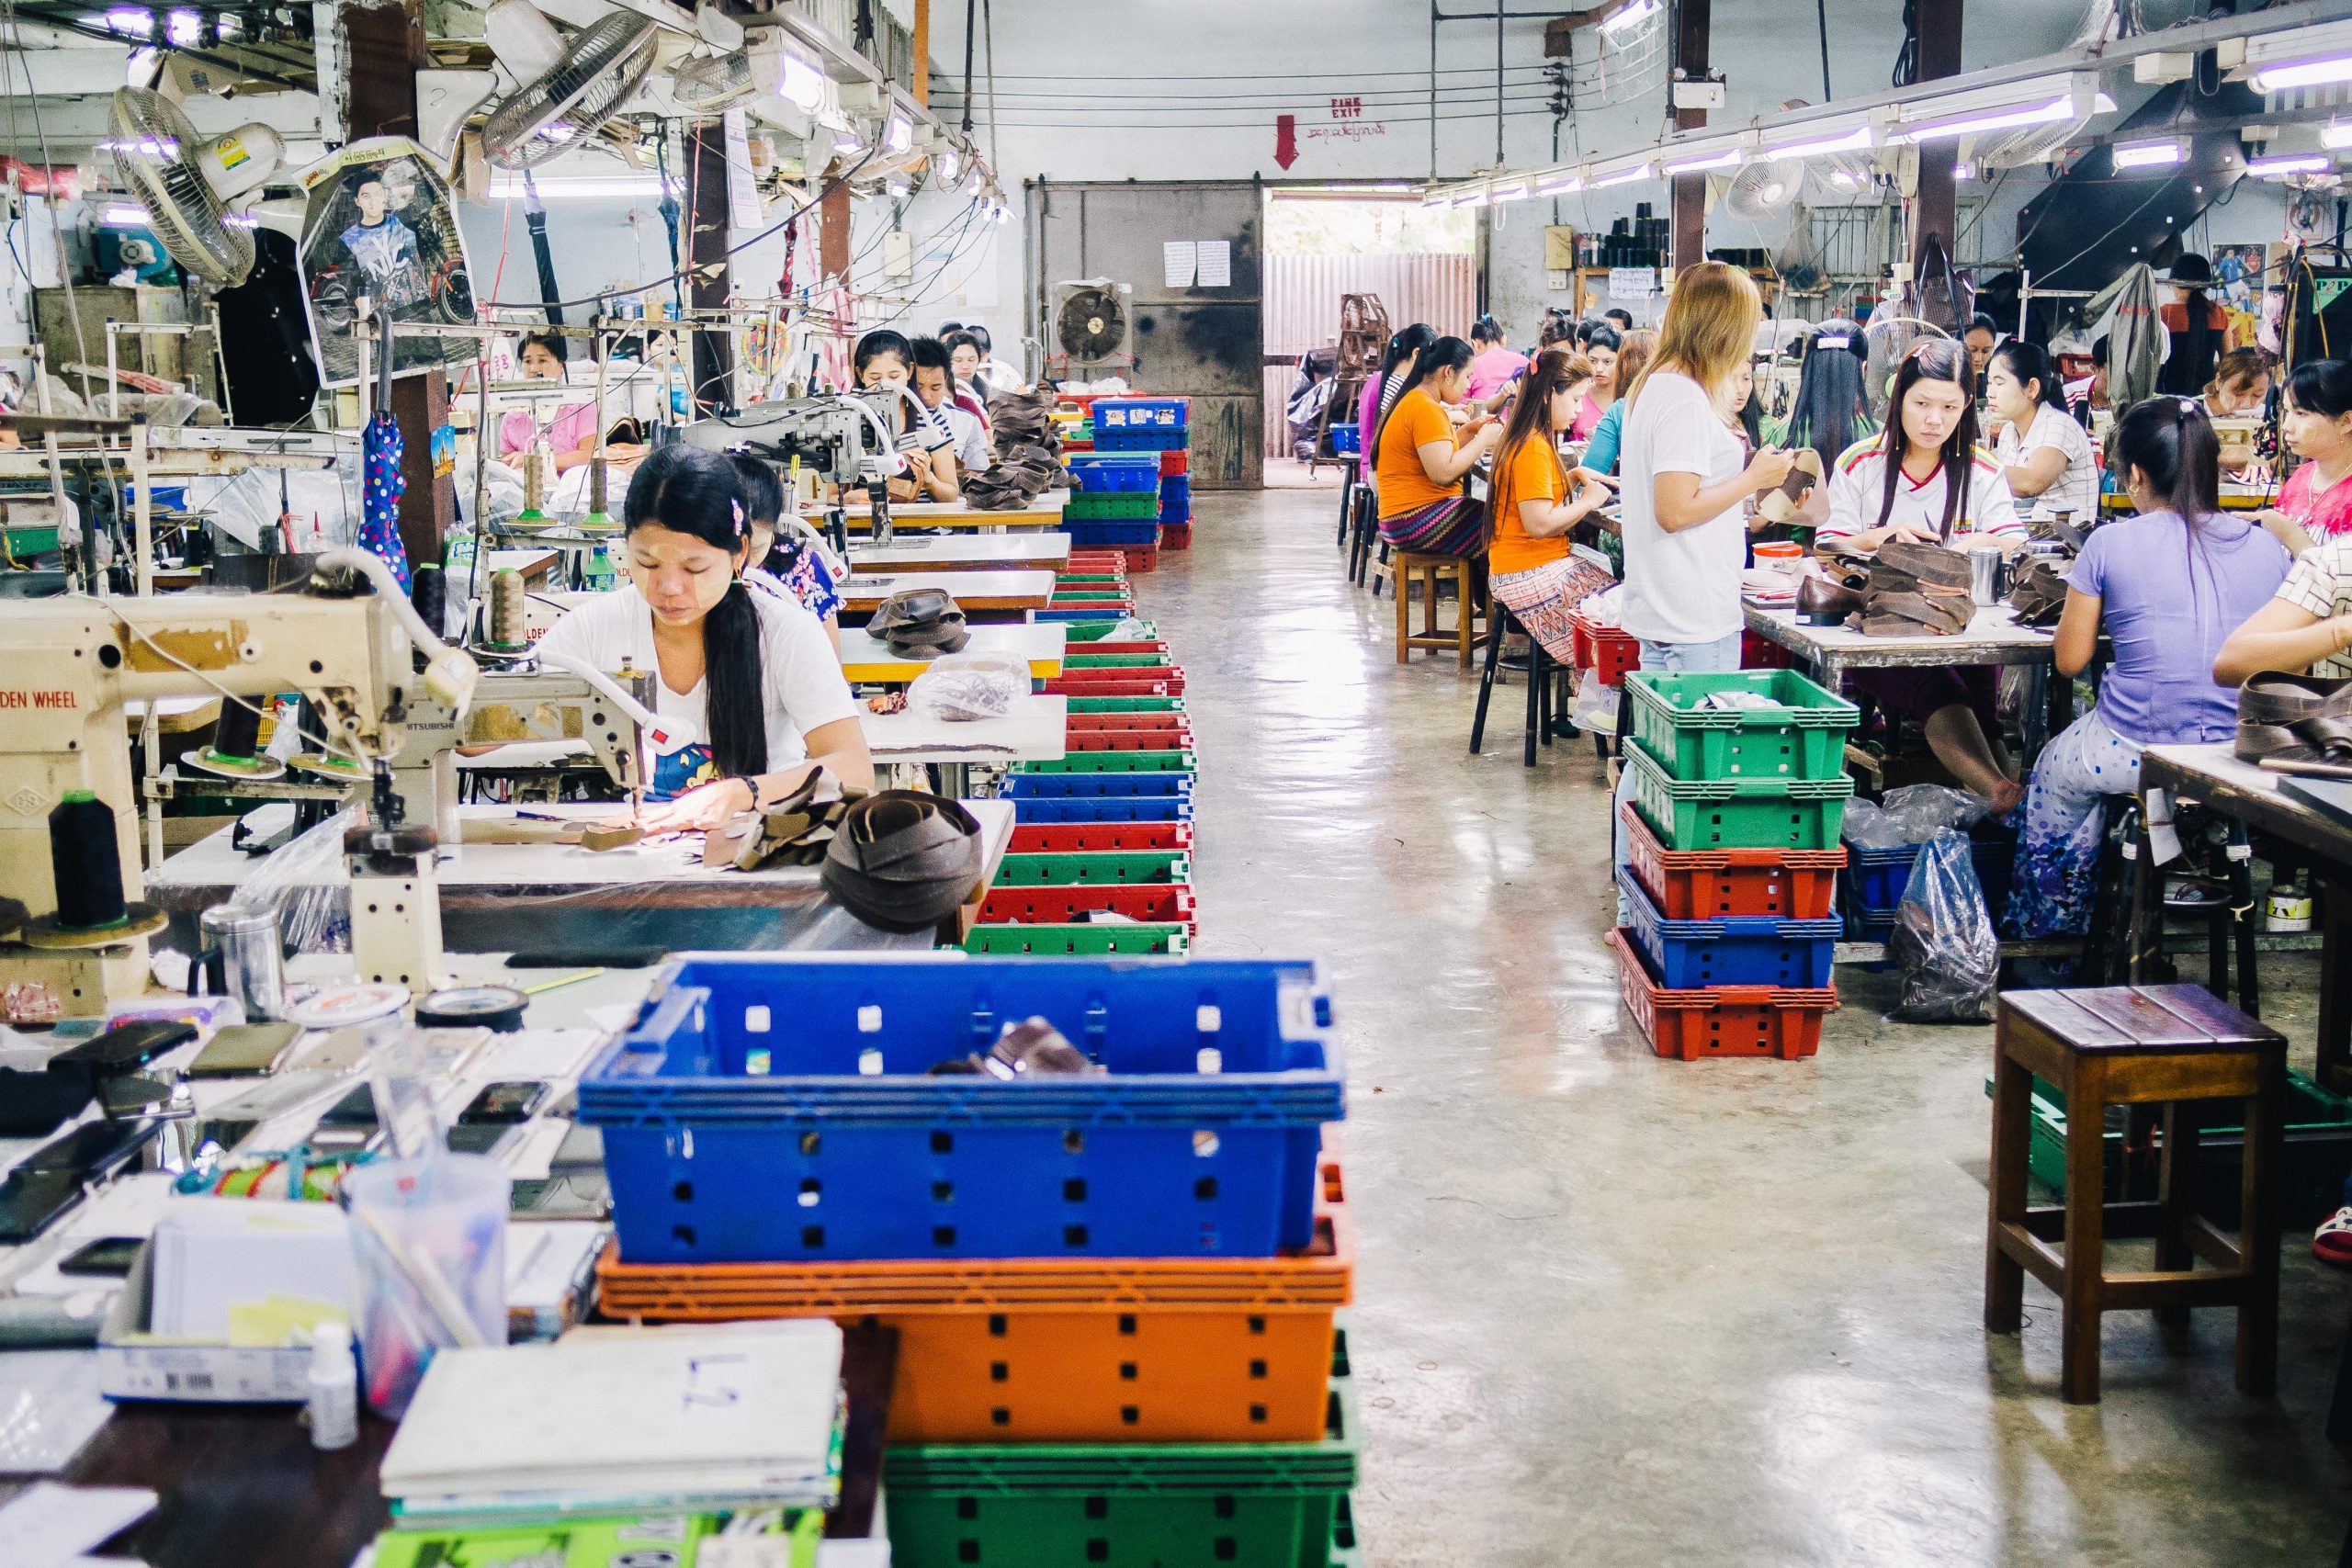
(2300, 73)
(2336, 133)
(1858, 141)
(1511, 192)
(2291, 163)
(122, 215)
(900, 134)
(1638, 172)
(1477, 197)
(1559, 184)
(1703, 161)
(2148, 154)
(799, 83)
(2057, 108)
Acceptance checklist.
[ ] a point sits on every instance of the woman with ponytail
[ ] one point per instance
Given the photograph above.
(2199, 327)
(753, 674)
(2169, 586)
(1537, 500)
(1420, 460)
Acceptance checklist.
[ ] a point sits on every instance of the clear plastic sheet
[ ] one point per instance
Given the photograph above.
(308, 882)
(1943, 940)
(1912, 815)
(968, 686)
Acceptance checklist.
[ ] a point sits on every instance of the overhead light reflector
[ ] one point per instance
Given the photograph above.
(2149, 154)
(2057, 108)
(1859, 139)
(1630, 16)
(1698, 162)
(799, 83)
(2300, 73)
(2290, 164)
(1638, 172)
(902, 132)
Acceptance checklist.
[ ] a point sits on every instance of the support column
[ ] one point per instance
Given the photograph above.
(832, 236)
(384, 47)
(921, 85)
(1935, 208)
(713, 276)
(1691, 22)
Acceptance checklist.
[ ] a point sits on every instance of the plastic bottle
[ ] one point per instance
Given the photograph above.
(334, 1388)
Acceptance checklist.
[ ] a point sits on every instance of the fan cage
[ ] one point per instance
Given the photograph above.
(186, 211)
(713, 81)
(608, 62)
(1075, 330)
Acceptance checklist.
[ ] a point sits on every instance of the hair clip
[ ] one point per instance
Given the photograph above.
(737, 508)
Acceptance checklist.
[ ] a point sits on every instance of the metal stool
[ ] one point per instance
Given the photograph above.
(1541, 668)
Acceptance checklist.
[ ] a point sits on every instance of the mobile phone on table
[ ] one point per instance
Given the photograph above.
(503, 1104)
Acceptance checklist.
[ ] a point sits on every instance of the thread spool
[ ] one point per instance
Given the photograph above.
(498, 1009)
(86, 860)
(509, 627)
(534, 483)
(428, 592)
(235, 752)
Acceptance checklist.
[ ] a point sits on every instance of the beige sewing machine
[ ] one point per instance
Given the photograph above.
(539, 718)
(68, 665)
(2237, 435)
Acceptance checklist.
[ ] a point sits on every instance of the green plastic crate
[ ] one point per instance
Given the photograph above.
(1103, 505)
(1062, 870)
(1802, 736)
(1117, 661)
(1088, 941)
(1738, 814)
(1062, 577)
(1125, 705)
(1165, 1505)
(1099, 631)
(1114, 763)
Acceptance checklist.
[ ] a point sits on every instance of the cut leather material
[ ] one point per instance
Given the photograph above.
(1842, 563)
(1926, 563)
(1028, 453)
(2039, 593)
(793, 830)
(903, 860)
(919, 622)
(2297, 724)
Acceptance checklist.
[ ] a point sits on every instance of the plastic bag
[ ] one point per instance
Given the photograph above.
(1943, 940)
(308, 882)
(1595, 708)
(1912, 815)
(968, 686)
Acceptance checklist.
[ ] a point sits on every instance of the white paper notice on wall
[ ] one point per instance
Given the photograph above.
(743, 186)
(1216, 263)
(1632, 282)
(1179, 257)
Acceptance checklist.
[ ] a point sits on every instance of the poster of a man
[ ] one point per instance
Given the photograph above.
(379, 227)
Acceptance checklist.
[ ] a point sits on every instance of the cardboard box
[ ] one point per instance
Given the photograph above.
(132, 1364)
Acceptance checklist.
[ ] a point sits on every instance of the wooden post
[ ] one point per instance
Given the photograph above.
(1692, 22)
(832, 236)
(384, 45)
(713, 279)
(922, 53)
(1935, 208)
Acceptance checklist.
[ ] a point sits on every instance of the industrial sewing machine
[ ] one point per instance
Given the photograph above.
(841, 438)
(67, 666)
(546, 720)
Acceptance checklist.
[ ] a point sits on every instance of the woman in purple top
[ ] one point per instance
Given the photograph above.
(2168, 586)
(1400, 352)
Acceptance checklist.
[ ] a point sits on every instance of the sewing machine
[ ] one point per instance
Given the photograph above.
(829, 434)
(562, 717)
(68, 665)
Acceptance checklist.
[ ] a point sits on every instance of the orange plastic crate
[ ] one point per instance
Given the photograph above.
(1165, 722)
(1604, 648)
(1176, 739)
(1721, 1021)
(1066, 686)
(1092, 838)
(1054, 1351)
(1706, 885)
(1159, 902)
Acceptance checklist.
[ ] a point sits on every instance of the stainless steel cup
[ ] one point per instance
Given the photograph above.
(253, 958)
(1984, 573)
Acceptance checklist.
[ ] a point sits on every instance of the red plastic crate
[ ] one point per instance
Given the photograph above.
(1159, 902)
(1158, 648)
(1164, 723)
(1605, 649)
(1706, 885)
(1763, 653)
(1175, 462)
(1175, 536)
(1112, 606)
(1723, 1021)
(1143, 557)
(1127, 739)
(1063, 685)
(1098, 838)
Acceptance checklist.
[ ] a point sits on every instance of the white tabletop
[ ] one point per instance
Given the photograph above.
(1036, 730)
(962, 552)
(1046, 512)
(971, 589)
(866, 656)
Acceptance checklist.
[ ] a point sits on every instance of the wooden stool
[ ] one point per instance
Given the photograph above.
(2174, 1045)
(1430, 571)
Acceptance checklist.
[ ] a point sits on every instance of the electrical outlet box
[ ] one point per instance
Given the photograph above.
(1699, 95)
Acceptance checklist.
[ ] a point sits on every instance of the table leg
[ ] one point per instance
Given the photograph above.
(2147, 881)
(2036, 715)
(2334, 889)
(955, 780)
(2003, 1275)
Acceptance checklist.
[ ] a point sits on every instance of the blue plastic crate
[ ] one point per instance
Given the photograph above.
(1035, 787)
(1737, 950)
(1031, 810)
(1139, 413)
(1874, 879)
(1099, 532)
(1116, 474)
(1344, 440)
(1088, 613)
(1145, 440)
(1175, 499)
(767, 1108)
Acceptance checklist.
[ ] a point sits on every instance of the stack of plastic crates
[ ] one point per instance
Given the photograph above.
(1071, 883)
(1176, 470)
(1157, 427)
(1739, 789)
(1117, 1296)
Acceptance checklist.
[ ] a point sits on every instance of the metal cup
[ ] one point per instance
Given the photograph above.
(252, 957)
(1984, 573)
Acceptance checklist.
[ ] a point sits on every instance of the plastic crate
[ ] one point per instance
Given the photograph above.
(1730, 1020)
(1076, 632)
(1138, 440)
(1344, 440)
(1731, 950)
(1613, 653)
(1094, 940)
(1060, 613)
(1079, 722)
(1081, 740)
(1092, 561)
(1111, 760)
(1097, 706)
(1875, 878)
(1699, 884)
(1091, 506)
(1097, 579)
(1019, 783)
(1104, 647)
(1104, 807)
(1252, 1505)
(1164, 903)
(1140, 413)
(1802, 736)
(1108, 474)
(1142, 558)
(1102, 838)
(1763, 653)
(1176, 497)
(1738, 814)
(1024, 869)
(1044, 1350)
(1176, 536)
(1175, 460)
(1139, 531)
(1161, 687)
(1200, 1139)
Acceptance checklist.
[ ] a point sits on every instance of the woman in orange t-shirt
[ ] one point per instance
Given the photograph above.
(1535, 500)
(1419, 460)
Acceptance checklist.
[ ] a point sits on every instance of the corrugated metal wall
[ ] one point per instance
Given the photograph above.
(1302, 308)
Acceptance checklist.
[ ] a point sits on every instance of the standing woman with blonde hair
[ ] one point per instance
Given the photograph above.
(1685, 484)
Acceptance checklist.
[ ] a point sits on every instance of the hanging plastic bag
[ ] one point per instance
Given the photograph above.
(968, 686)
(1912, 815)
(308, 882)
(1943, 940)
(1595, 709)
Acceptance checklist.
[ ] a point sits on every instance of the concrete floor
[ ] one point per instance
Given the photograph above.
(1615, 1310)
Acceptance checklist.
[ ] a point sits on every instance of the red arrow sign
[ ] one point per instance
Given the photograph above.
(1285, 139)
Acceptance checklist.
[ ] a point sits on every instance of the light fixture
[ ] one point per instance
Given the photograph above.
(1842, 179)
(2336, 133)
(1859, 140)
(131, 21)
(615, 187)
(1626, 177)
(152, 146)
(1003, 213)
(123, 215)
(1963, 171)
(1511, 192)
(1438, 199)
(896, 186)
(798, 82)
(228, 27)
(900, 134)
(185, 28)
(845, 139)
(2297, 73)
(2149, 154)
(1475, 196)
(1631, 15)
(1560, 185)
(2288, 164)
(2060, 108)
(948, 164)
(1698, 162)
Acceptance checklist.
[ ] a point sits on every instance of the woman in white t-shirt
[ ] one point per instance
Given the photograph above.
(753, 675)
(1924, 478)
(2044, 454)
(1685, 483)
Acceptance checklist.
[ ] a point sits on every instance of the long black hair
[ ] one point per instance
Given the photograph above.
(699, 492)
(2322, 387)
(1937, 359)
(2170, 440)
(2191, 364)
(762, 497)
(1830, 407)
(1399, 355)
(2026, 363)
(1486, 330)
(1445, 353)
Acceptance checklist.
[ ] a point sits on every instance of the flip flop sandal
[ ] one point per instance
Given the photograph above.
(2332, 1243)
